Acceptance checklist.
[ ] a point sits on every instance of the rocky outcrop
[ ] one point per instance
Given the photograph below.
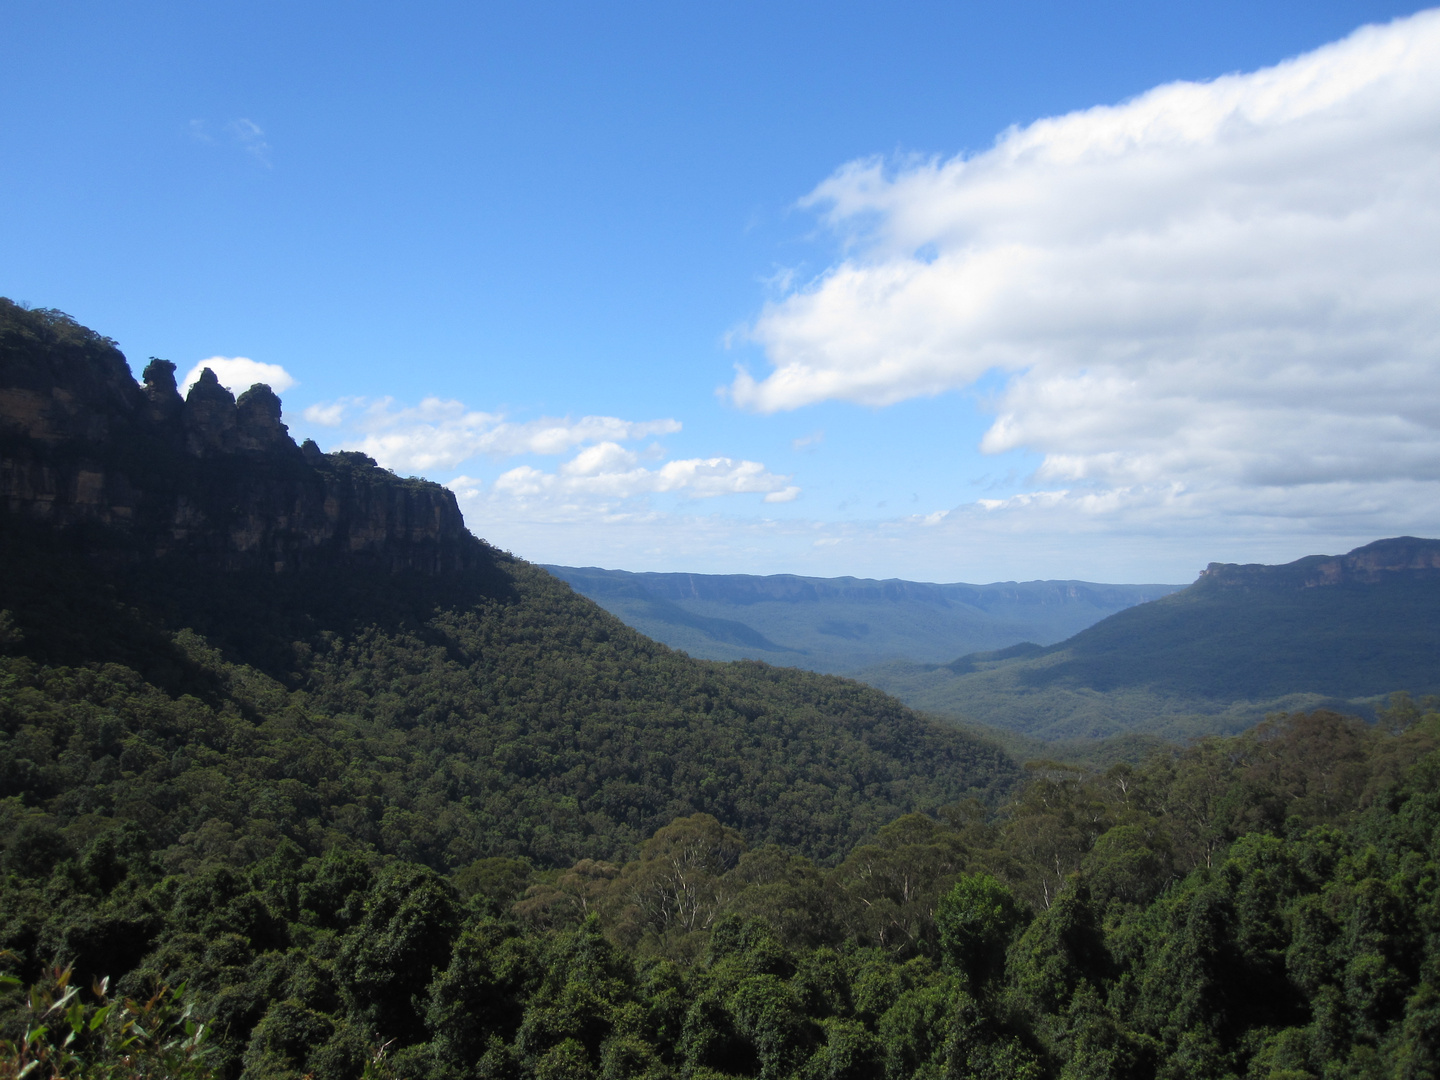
(141, 472)
(1399, 557)
(1404, 555)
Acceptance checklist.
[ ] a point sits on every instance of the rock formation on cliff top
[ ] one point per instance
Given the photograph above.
(141, 472)
(1408, 557)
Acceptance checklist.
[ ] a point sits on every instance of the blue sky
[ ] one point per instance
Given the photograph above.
(935, 291)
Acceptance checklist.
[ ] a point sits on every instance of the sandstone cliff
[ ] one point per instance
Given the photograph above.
(141, 472)
(1400, 557)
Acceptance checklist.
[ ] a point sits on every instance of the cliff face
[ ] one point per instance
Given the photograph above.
(1399, 557)
(145, 473)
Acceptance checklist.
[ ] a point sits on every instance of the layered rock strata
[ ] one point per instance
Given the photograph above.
(142, 472)
(1399, 557)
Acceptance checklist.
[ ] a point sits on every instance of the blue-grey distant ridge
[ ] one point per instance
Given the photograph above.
(1338, 631)
(846, 624)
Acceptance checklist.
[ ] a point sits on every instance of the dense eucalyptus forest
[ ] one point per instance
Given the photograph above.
(1262, 905)
(298, 778)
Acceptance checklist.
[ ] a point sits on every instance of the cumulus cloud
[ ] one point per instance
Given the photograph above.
(606, 473)
(1215, 287)
(238, 373)
(440, 433)
(328, 413)
(600, 476)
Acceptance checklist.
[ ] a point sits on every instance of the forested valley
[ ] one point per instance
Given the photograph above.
(1260, 906)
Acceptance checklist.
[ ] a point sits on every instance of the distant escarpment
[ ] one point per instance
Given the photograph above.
(847, 625)
(1339, 631)
(138, 472)
(1396, 559)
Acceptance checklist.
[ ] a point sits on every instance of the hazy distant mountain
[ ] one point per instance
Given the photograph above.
(847, 624)
(1216, 656)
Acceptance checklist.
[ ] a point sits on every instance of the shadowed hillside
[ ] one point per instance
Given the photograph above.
(224, 634)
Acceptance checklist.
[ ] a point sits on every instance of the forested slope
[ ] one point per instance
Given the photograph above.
(1263, 906)
(232, 639)
(1242, 641)
(440, 718)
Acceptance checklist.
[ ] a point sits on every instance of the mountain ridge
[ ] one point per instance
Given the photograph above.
(1244, 640)
(843, 625)
(1367, 564)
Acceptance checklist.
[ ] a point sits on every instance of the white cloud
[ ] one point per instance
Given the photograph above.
(331, 413)
(601, 477)
(1218, 296)
(1147, 536)
(243, 133)
(440, 433)
(238, 373)
(1025, 499)
(708, 477)
(606, 457)
(784, 495)
(250, 137)
(466, 487)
